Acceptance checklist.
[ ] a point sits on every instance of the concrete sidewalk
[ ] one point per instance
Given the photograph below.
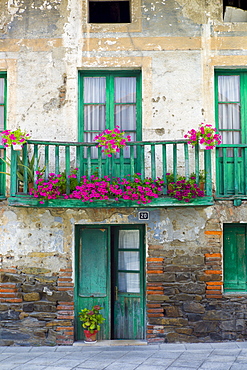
(99, 356)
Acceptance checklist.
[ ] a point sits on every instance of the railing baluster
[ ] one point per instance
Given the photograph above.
(36, 164)
(164, 167)
(224, 165)
(79, 161)
(67, 168)
(208, 170)
(186, 159)
(13, 173)
(46, 161)
(175, 161)
(57, 159)
(24, 168)
(132, 160)
(121, 162)
(197, 162)
(89, 168)
(236, 174)
(153, 162)
(100, 162)
(142, 161)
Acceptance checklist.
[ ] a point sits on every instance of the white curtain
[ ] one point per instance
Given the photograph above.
(129, 261)
(229, 108)
(95, 106)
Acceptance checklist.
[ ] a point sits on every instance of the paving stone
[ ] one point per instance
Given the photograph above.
(149, 367)
(223, 345)
(25, 367)
(172, 346)
(120, 366)
(221, 358)
(185, 363)
(208, 365)
(198, 346)
(162, 354)
(239, 366)
(95, 365)
(158, 362)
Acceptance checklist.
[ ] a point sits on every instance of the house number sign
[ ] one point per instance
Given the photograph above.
(143, 215)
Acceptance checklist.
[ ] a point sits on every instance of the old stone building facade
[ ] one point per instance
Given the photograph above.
(182, 277)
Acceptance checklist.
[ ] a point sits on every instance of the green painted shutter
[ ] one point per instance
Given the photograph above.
(234, 257)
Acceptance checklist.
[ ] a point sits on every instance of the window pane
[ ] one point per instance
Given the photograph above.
(125, 117)
(94, 89)
(1, 90)
(229, 117)
(125, 90)
(128, 261)
(129, 282)
(229, 88)
(231, 137)
(94, 117)
(129, 239)
(1, 118)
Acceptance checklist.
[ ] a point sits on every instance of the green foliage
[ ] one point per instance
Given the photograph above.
(91, 318)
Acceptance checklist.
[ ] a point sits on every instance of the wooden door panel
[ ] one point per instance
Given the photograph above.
(129, 318)
(128, 301)
(93, 280)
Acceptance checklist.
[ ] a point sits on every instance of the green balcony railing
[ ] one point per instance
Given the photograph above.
(150, 159)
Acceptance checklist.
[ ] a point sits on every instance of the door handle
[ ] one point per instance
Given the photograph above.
(116, 293)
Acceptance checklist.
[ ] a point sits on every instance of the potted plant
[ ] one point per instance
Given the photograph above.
(205, 135)
(21, 171)
(16, 138)
(91, 320)
(202, 178)
(112, 141)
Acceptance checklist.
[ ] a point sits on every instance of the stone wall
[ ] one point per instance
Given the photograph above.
(36, 308)
(185, 299)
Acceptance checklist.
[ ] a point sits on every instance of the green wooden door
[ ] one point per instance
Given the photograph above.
(231, 115)
(110, 273)
(92, 286)
(235, 257)
(127, 284)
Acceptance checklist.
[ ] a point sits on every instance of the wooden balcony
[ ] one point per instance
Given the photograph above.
(150, 159)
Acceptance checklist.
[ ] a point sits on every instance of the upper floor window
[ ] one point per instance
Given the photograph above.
(110, 99)
(235, 10)
(109, 11)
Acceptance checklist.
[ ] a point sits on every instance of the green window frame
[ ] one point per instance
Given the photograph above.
(234, 257)
(3, 111)
(233, 103)
(109, 104)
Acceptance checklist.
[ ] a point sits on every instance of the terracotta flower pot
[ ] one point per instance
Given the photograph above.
(201, 185)
(90, 337)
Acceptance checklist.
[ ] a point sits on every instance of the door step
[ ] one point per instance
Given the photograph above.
(119, 342)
